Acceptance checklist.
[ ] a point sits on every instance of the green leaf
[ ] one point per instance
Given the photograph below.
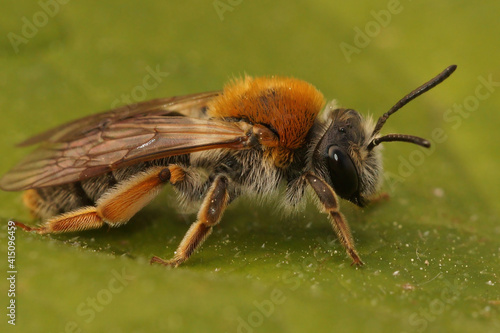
(431, 251)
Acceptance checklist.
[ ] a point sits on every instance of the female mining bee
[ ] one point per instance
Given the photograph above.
(249, 138)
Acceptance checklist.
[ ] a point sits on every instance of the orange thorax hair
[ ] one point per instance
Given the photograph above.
(286, 105)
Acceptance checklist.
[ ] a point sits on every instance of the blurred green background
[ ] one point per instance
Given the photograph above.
(431, 251)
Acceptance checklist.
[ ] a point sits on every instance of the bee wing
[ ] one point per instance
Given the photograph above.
(107, 141)
(190, 105)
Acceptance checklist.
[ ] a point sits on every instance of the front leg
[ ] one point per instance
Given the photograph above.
(329, 201)
(377, 198)
(210, 213)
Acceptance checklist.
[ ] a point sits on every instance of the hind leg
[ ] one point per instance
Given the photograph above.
(115, 207)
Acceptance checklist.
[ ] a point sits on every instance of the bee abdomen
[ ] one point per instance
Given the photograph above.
(49, 201)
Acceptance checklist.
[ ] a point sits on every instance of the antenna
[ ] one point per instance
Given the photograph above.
(402, 102)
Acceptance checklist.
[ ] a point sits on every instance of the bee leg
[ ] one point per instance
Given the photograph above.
(210, 213)
(384, 196)
(329, 202)
(116, 206)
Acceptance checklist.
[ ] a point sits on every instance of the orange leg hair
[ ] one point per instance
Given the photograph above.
(116, 206)
(210, 213)
(329, 201)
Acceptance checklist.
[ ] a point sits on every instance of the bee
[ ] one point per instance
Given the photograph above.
(250, 138)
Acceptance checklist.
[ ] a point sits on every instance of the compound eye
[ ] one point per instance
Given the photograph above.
(343, 173)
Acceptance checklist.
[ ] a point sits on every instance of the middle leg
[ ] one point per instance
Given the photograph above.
(210, 213)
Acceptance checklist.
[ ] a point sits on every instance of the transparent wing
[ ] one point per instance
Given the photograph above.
(97, 144)
(189, 105)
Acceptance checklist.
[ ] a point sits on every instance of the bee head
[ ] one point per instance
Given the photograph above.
(341, 156)
(347, 154)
